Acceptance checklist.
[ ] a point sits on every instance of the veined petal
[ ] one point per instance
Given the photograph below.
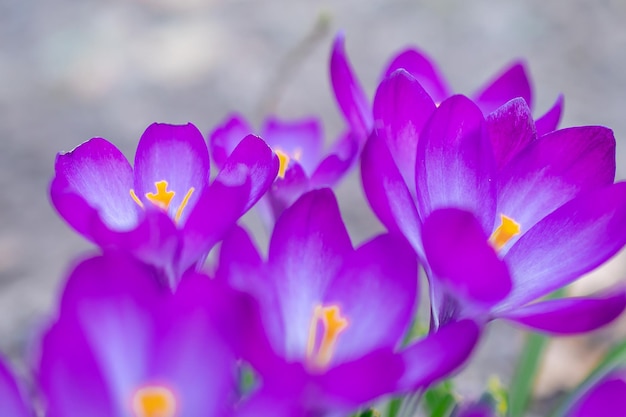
(553, 170)
(387, 192)
(307, 249)
(438, 354)
(550, 120)
(376, 291)
(225, 138)
(572, 240)
(455, 164)
(511, 83)
(424, 70)
(460, 255)
(94, 176)
(401, 108)
(301, 139)
(570, 315)
(12, 401)
(511, 129)
(348, 91)
(178, 155)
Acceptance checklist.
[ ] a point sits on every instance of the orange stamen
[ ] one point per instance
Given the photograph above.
(333, 325)
(283, 160)
(182, 206)
(154, 401)
(162, 197)
(508, 229)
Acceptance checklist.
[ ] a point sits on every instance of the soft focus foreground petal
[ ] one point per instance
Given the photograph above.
(387, 193)
(424, 70)
(97, 173)
(178, 155)
(401, 108)
(438, 354)
(307, 248)
(376, 291)
(348, 92)
(284, 192)
(570, 315)
(12, 402)
(460, 256)
(511, 129)
(572, 240)
(477, 409)
(225, 138)
(550, 120)
(553, 170)
(511, 83)
(339, 161)
(606, 398)
(301, 139)
(455, 163)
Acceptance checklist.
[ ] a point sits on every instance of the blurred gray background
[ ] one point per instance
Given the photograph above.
(72, 70)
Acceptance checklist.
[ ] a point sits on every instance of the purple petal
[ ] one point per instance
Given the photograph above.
(12, 401)
(550, 120)
(511, 129)
(459, 254)
(570, 315)
(94, 176)
(455, 163)
(177, 155)
(438, 354)
(348, 92)
(387, 192)
(285, 191)
(378, 309)
(606, 399)
(511, 83)
(302, 140)
(553, 170)
(337, 164)
(225, 138)
(424, 70)
(571, 241)
(307, 249)
(401, 108)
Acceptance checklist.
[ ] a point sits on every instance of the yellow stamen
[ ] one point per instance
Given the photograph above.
(283, 160)
(182, 206)
(507, 229)
(162, 197)
(333, 325)
(134, 197)
(154, 401)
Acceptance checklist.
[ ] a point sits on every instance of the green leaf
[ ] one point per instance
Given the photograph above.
(439, 401)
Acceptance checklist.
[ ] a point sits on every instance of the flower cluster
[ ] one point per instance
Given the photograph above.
(499, 209)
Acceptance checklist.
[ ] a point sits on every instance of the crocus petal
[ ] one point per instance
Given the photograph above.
(97, 173)
(455, 163)
(401, 108)
(606, 398)
(438, 354)
(550, 120)
(387, 192)
(337, 164)
(378, 309)
(12, 402)
(570, 315)
(459, 254)
(572, 240)
(424, 70)
(553, 170)
(285, 191)
(511, 129)
(225, 138)
(302, 140)
(177, 155)
(307, 249)
(348, 92)
(511, 83)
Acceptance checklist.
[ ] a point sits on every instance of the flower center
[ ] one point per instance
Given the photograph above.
(319, 350)
(508, 229)
(163, 197)
(284, 158)
(154, 401)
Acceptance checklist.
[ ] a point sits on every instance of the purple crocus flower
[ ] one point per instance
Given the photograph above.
(13, 403)
(122, 346)
(500, 216)
(605, 397)
(512, 82)
(303, 166)
(163, 211)
(332, 318)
